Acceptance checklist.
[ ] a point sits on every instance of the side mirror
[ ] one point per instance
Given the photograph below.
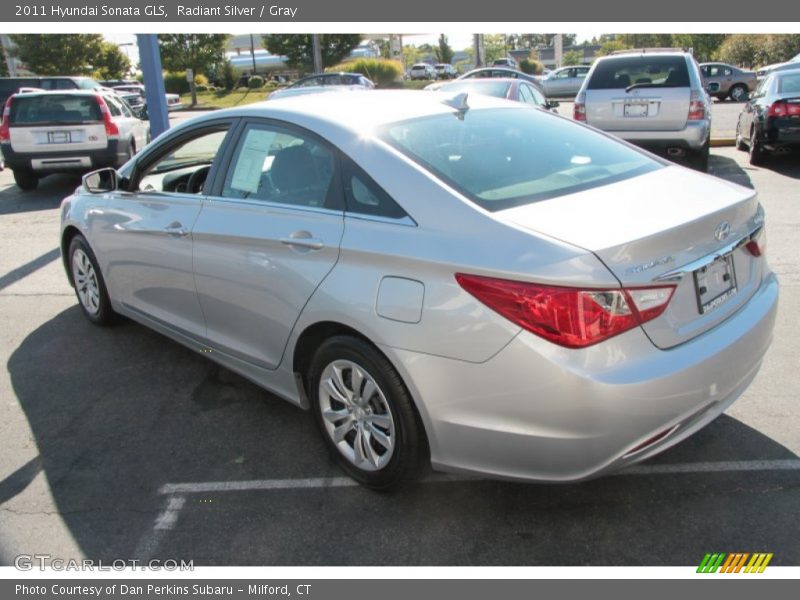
(712, 88)
(101, 181)
(552, 104)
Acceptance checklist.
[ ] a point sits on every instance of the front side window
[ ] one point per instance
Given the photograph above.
(182, 168)
(505, 157)
(279, 165)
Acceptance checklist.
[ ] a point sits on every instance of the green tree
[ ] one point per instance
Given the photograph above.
(704, 45)
(443, 52)
(58, 54)
(573, 57)
(3, 64)
(610, 46)
(196, 51)
(299, 52)
(646, 40)
(782, 47)
(113, 63)
(743, 50)
(494, 46)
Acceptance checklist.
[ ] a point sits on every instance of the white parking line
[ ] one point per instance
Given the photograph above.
(164, 521)
(329, 482)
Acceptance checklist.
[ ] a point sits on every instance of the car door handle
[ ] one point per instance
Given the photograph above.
(176, 229)
(302, 239)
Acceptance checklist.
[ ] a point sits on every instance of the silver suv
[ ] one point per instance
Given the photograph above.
(654, 99)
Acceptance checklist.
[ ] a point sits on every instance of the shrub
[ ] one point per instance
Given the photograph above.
(201, 87)
(228, 75)
(200, 79)
(381, 71)
(175, 83)
(531, 67)
(256, 82)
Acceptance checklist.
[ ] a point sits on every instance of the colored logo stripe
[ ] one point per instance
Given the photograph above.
(734, 562)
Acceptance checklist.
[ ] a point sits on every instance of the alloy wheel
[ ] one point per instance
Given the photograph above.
(86, 284)
(356, 415)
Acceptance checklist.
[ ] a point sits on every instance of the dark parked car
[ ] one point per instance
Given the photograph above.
(492, 72)
(11, 85)
(324, 82)
(770, 122)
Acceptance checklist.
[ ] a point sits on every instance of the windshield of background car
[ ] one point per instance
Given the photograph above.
(498, 89)
(652, 70)
(505, 157)
(789, 84)
(54, 108)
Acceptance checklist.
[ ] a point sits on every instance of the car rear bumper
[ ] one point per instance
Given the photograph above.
(539, 412)
(114, 155)
(692, 137)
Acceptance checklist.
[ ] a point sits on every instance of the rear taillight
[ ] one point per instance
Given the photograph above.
(570, 317)
(112, 131)
(784, 109)
(579, 109)
(757, 245)
(5, 131)
(697, 108)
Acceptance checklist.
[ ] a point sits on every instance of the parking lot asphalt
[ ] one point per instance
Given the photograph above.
(118, 443)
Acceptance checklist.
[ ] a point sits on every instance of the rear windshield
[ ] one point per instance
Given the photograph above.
(647, 70)
(55, 108)
(505, 157)
(498, 89)
(789, 84)
(418, 68)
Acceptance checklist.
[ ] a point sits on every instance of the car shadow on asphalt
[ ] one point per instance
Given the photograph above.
(729, 170)
(116, 413)
(47, 196)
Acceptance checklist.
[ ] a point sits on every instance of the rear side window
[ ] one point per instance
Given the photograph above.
(54, 108)
(789, 84)
(645, 70)
(505, 157)
(364, 196)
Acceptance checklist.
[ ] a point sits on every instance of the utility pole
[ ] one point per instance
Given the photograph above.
(253, 53)
(317, 53)
(150, 57)
(558, 49)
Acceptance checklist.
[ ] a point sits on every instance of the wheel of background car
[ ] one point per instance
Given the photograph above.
(25, 180)
(757, 152)
(88, 283)
(365, 414)
(738, 93)
(197, 179)
(700, 158)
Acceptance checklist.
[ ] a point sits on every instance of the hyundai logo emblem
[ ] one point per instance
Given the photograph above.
(722, 231)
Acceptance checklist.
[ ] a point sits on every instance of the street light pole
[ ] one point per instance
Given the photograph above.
(253, 53)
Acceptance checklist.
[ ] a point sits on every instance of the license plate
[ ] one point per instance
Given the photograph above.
(59, 137)
(715, 284)
(635, 110)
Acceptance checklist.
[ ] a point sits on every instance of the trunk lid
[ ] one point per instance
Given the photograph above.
(670, 221)
(641, 109)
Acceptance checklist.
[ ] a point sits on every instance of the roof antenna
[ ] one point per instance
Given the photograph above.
(459, 102)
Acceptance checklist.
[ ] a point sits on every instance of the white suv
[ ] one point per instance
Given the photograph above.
(67, 131)
(654, 99)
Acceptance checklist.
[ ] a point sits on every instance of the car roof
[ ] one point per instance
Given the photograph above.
(64, 93)
(355, 112)
(643, 53)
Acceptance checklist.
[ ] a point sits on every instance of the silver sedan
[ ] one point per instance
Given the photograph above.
(463, 280)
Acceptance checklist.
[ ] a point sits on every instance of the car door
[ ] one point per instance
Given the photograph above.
(266, 238)
(557, 83)
(134, 127)
(147, 239)
(578, 74)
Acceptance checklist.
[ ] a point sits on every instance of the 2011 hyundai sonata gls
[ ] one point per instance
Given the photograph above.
(477, 283)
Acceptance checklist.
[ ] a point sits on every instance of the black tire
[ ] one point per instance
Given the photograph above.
(738, 93)
(104, 314)
(26, 180)
(698, 159)
(758, 156)
(410, 453)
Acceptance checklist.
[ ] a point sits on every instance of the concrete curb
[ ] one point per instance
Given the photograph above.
(722, 141)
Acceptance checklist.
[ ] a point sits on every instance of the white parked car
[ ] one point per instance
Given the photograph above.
(68, 131)
(422, 71)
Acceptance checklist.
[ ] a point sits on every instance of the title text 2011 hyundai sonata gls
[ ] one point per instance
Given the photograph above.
(466, 281)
